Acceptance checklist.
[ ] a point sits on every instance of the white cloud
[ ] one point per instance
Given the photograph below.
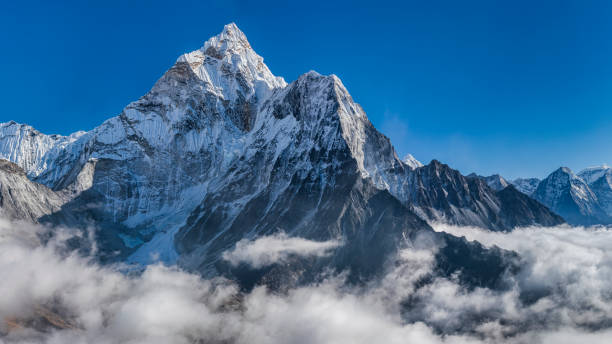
(570, 267)
(99, 304)
(268, 250)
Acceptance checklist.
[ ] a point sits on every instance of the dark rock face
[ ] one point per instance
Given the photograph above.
(371, 224)
(442, 193)
(9, 167)
(520, 210)
(477, 266)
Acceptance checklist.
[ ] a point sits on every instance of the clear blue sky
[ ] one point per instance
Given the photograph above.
(515, 87)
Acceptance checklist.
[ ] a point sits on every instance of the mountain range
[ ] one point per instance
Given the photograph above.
(581, 199)
(221, 150)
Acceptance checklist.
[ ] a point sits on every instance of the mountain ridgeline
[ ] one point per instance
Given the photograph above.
(221, 150)
(581, 199)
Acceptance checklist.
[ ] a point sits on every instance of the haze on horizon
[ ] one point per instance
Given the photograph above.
(517, 89)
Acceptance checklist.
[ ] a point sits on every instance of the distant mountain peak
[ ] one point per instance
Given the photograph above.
(495, 181)
(412, 161)
(594, 173)
(570, 195)
(526, 185)
(603, 166)
(564, 170)
(566, 174)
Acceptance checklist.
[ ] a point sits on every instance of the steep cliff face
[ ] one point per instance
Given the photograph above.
(519, 210)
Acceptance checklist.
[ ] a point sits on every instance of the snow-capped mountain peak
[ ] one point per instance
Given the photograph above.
(567, 175)
(570, 195)
(34, 151)
(231, 40)
(229, 68)
(412, 161)
(220, 148)
(591, 174)
(495, 181)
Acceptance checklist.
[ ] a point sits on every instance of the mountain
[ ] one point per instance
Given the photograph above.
(599, 179)
(22, 199)
(519, 210)
(526, 185)
(495, 181)
(582, 199)
(441, 194)
(570, 196)
(43, 157)
(592, 174)
(221, 150)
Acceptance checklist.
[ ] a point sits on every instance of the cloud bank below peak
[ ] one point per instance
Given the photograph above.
(568, 268)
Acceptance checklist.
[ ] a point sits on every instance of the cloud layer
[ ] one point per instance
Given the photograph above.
(276, 248)
(561, 295)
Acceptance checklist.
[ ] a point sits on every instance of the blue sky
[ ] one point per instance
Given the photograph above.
(515, 87)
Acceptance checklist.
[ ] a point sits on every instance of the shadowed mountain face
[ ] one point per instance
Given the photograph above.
(519, 210)
(441, 193)
(222, 150)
